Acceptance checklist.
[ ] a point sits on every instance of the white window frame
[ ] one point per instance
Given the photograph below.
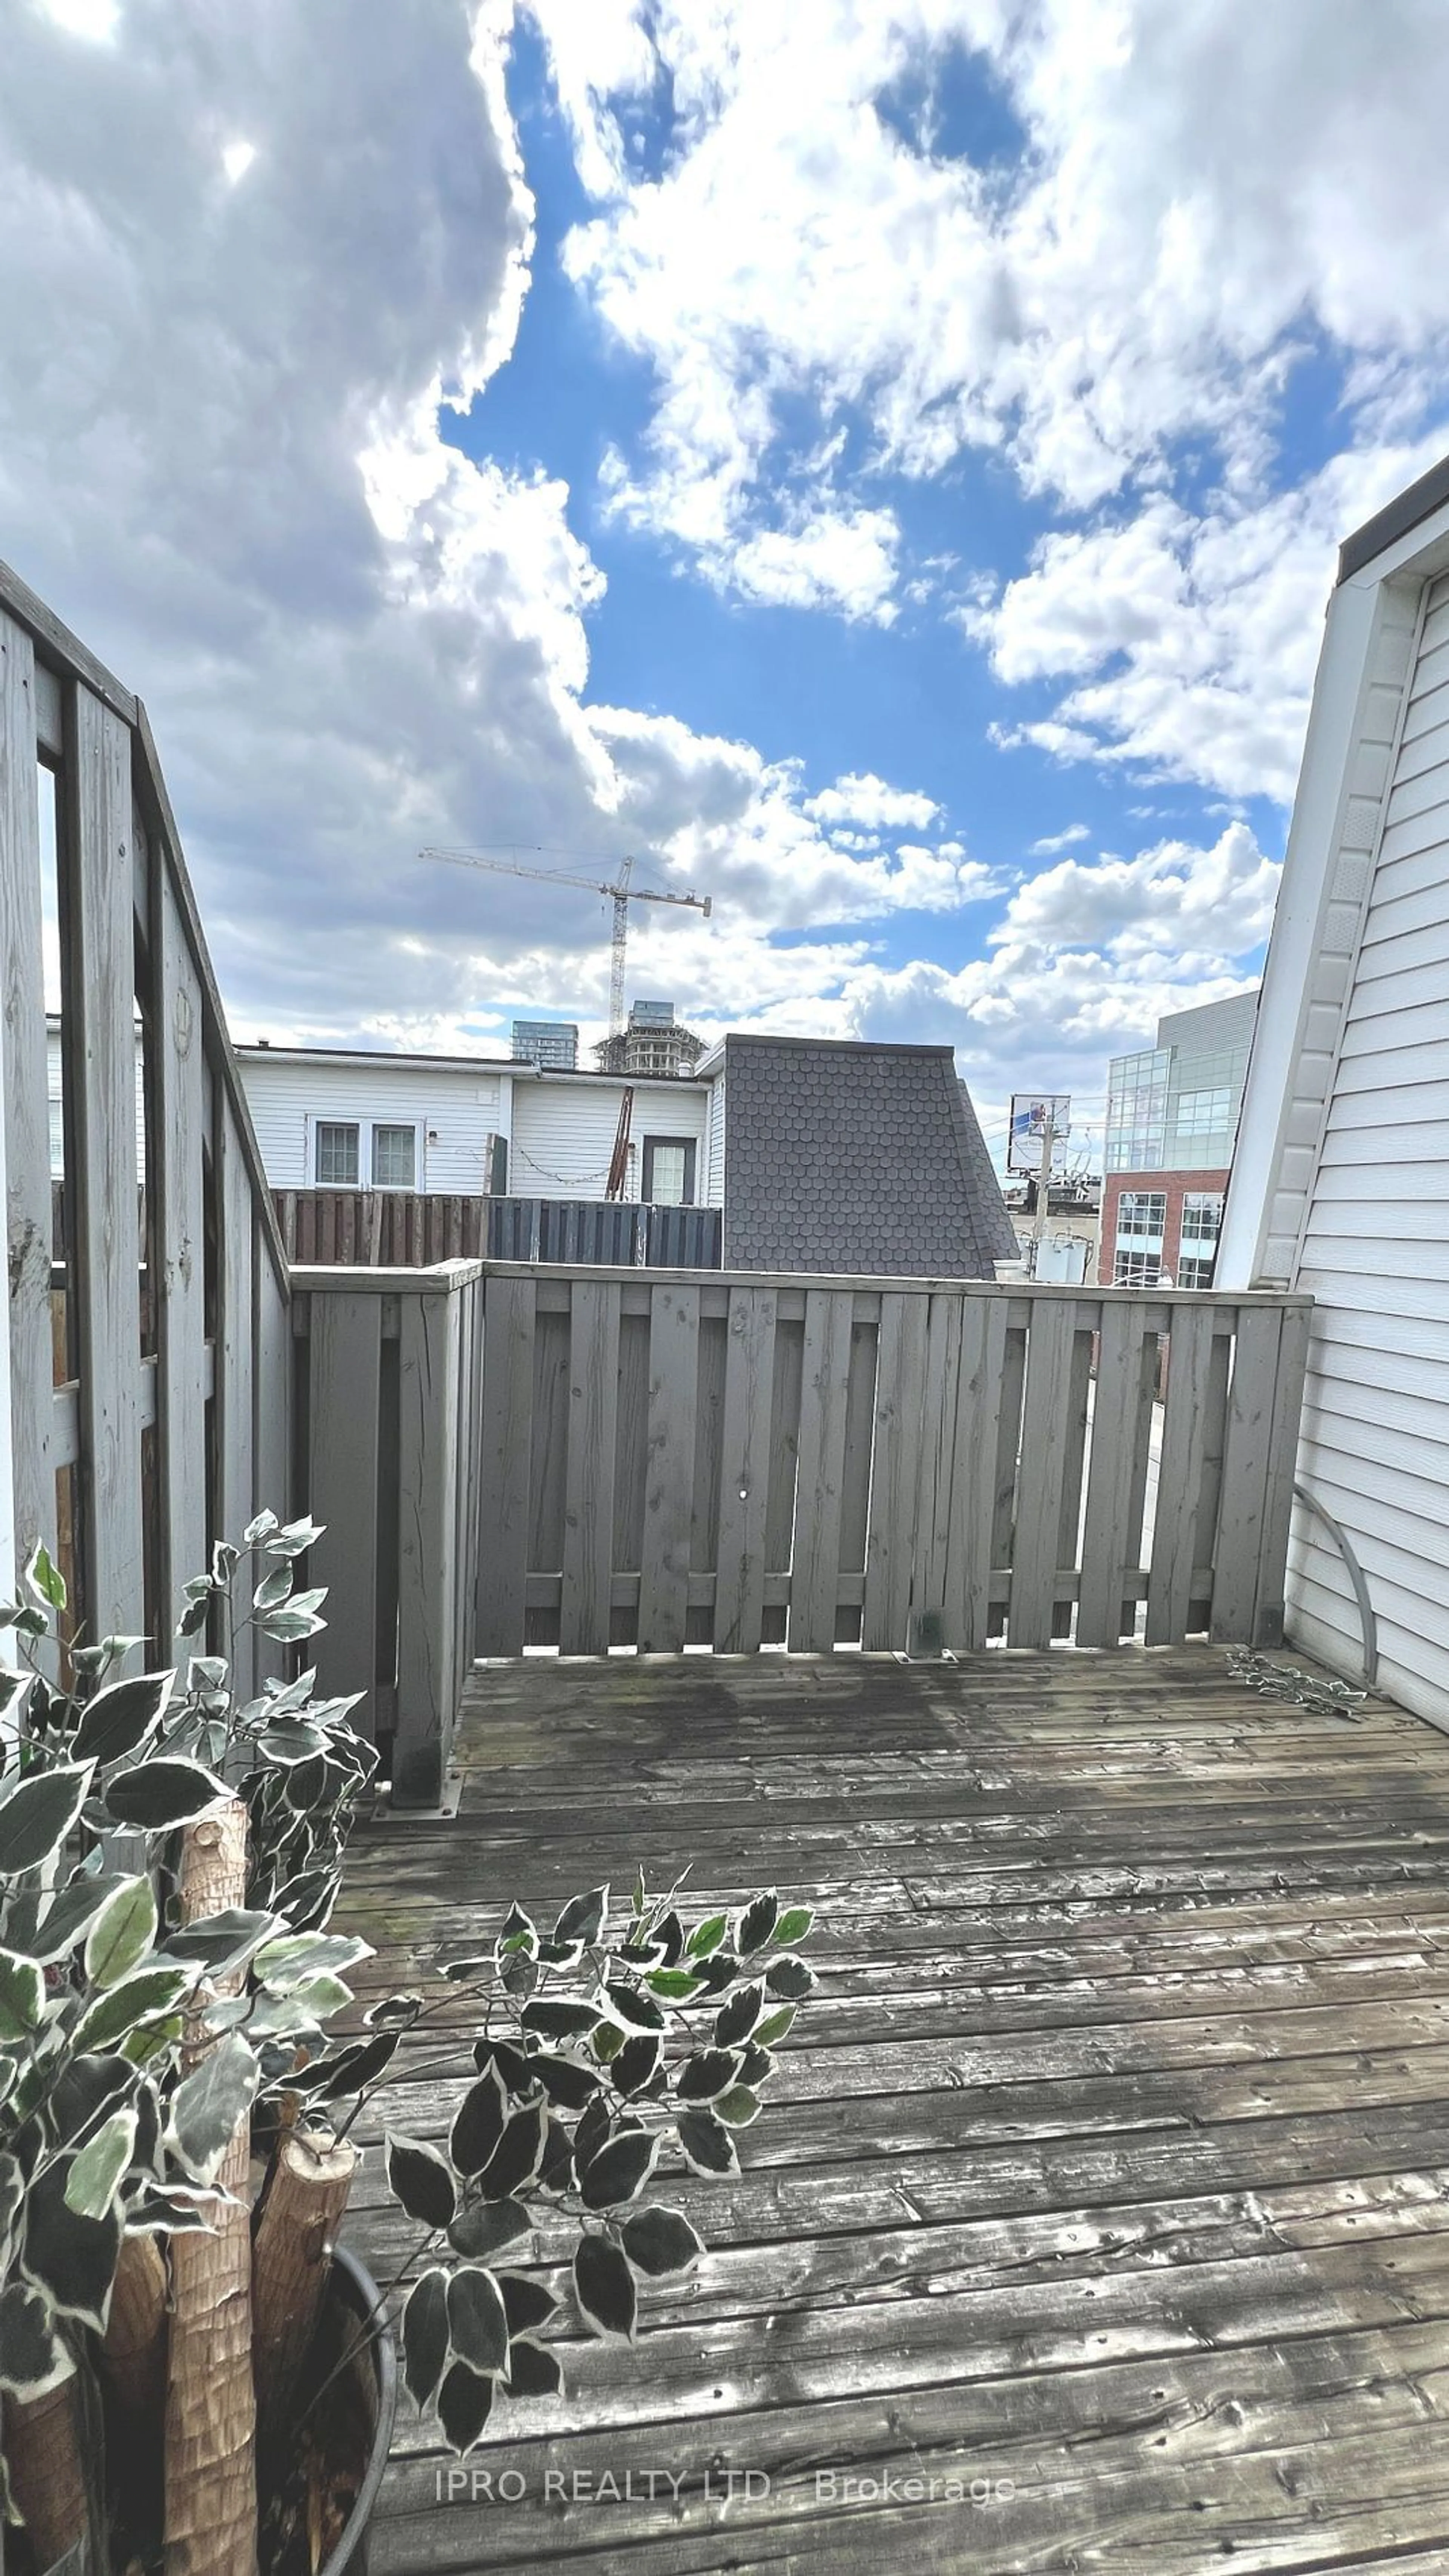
(330, 1127)
(393, 1127)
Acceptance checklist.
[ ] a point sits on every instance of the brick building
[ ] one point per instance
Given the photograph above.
(1172, 1115)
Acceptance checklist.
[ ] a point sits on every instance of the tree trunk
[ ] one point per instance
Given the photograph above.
(305, 2201)
(133, 2374)
(42, 2453)
(133, 2350)
(211, 2483)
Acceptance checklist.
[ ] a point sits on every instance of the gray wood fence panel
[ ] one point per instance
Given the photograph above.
(429, 1570)
(588, 1547)
(107, 1236)
(708, 1458)
(891, 1534)
(1045, 1435)
(505, 1463)
(550, 1457)
(1119, 1434)
(745, 1471)
(234, 1366)
(1246, 1464)
(938, 1453)
(669, 1483)
(470, 1399)
(1278, 1499)
(1074, 1468)
(344, 1368)
(1179, 1475)
(177, 1180)
(855, 1473)
(784, 1446)
(27, 1110)
(631, 1463)
(1008, 1448)
(271, 1418)
(972, 1518)
(824, 1391)
(1210, 1482)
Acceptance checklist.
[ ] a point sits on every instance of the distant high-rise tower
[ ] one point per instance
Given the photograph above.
(551, 1042)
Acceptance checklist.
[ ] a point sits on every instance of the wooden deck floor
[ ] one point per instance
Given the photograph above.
(1107, 2176)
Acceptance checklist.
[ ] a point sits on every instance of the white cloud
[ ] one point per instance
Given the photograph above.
(1176, 231)
(865, 799)
(1170, 900)
(1052, 842)
(1192, 639)
(220, 459)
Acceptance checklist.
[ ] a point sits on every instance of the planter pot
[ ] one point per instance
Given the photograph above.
(353, 2291)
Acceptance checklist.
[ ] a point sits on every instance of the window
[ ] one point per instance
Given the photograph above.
(1136, 1269)
(1202, 1214)
(337, 1154)
(1195, 1270)
(668, 1171)
(1144, 1213)
(394, 1158)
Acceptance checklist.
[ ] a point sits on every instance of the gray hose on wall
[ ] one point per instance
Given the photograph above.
(1340, 1537)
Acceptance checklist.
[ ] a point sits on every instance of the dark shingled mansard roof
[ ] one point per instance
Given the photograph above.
(865, 1160)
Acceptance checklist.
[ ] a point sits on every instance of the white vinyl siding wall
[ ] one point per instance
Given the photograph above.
(455, 1115)
(712, 1187)
(563, 1132)
(1374, 1247)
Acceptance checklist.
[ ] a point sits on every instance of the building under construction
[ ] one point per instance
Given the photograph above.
(653, 1042)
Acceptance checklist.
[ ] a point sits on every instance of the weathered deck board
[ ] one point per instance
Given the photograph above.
(1109, 2164)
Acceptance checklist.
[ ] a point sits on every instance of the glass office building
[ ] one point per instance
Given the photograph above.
(1172, 1115)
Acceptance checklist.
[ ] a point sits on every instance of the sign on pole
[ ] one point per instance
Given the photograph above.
(1030, 1114)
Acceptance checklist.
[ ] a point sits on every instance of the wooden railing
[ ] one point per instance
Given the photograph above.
(408, 1229)
(142, 1428)
(911, 1465)
(389, 1390)
(382, 1229)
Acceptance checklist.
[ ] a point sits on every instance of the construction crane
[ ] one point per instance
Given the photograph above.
(621, 893)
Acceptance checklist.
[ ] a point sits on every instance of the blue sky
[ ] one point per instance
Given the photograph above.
(883, 469)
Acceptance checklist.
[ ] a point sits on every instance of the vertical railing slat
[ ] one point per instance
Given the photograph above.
(505, 1456)
(972, 1520)
(1116, 1422)
(1278, 1502)
(824, 1391)
(344, 1370)
(588, 1549)
(28, 1220)
(669, 1482)
(235, 1350)
(177, 1181)
(107, 1234)
(429, 1572)
(937, 1464)
(1042, 1469)
(891, 1535)
(745, 1471)
(1179, 1474)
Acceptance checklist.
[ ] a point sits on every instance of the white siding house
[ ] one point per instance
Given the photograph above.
(1341, 1179)
(330, 1119)
(334, 1118)
(564, 1126)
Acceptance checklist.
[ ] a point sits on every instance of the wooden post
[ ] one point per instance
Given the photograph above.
(211, 2485)
(43, 2456)
(300, 2218)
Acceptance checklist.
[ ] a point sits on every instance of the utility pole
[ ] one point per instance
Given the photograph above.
(1044, 1185)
